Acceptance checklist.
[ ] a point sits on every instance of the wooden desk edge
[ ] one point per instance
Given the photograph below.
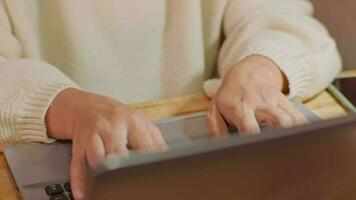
(347, 74)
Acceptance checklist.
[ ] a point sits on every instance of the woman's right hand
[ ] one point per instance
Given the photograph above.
(98, 126)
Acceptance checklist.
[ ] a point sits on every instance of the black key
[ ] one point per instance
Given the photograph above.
(54, 189)
(67, 187)
(58, 197)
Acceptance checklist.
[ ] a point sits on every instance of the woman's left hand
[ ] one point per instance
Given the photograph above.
(251, 93)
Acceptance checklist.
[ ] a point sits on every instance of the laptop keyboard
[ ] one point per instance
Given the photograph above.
(59, 191)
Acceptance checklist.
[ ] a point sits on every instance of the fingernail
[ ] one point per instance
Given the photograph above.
(78, 194)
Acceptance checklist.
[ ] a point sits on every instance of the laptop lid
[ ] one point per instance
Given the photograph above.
(317, 160)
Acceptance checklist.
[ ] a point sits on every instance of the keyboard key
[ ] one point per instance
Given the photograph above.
(54, 189)
(58, 197)
(67, 187)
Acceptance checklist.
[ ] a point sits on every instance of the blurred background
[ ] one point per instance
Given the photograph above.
(339, 17)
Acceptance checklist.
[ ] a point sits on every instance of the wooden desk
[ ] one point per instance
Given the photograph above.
(323, 105)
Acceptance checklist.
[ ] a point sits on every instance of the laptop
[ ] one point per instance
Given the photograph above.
(195, 166)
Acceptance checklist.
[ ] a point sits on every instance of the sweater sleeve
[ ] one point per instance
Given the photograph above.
(285, 32)
(27, 88)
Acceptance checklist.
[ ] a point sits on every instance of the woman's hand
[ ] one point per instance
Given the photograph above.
(251, 94)
(99, 126)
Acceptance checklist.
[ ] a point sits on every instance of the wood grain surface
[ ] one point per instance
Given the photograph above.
(324, 105)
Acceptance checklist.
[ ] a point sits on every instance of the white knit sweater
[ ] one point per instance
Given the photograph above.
(135, 50)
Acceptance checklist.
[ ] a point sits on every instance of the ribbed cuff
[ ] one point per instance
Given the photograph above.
(32, 109)
(295, 68)
(211, 86)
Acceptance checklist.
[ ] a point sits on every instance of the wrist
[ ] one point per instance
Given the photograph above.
(258, 69)
(60, 116)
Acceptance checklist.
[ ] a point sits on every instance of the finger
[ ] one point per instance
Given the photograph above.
(140, 138)
(297, 117)
(77, 172)
(157, 137)
(96, 151)
(115, 141)
(245, 121)
(215, 122)
(275, 117)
